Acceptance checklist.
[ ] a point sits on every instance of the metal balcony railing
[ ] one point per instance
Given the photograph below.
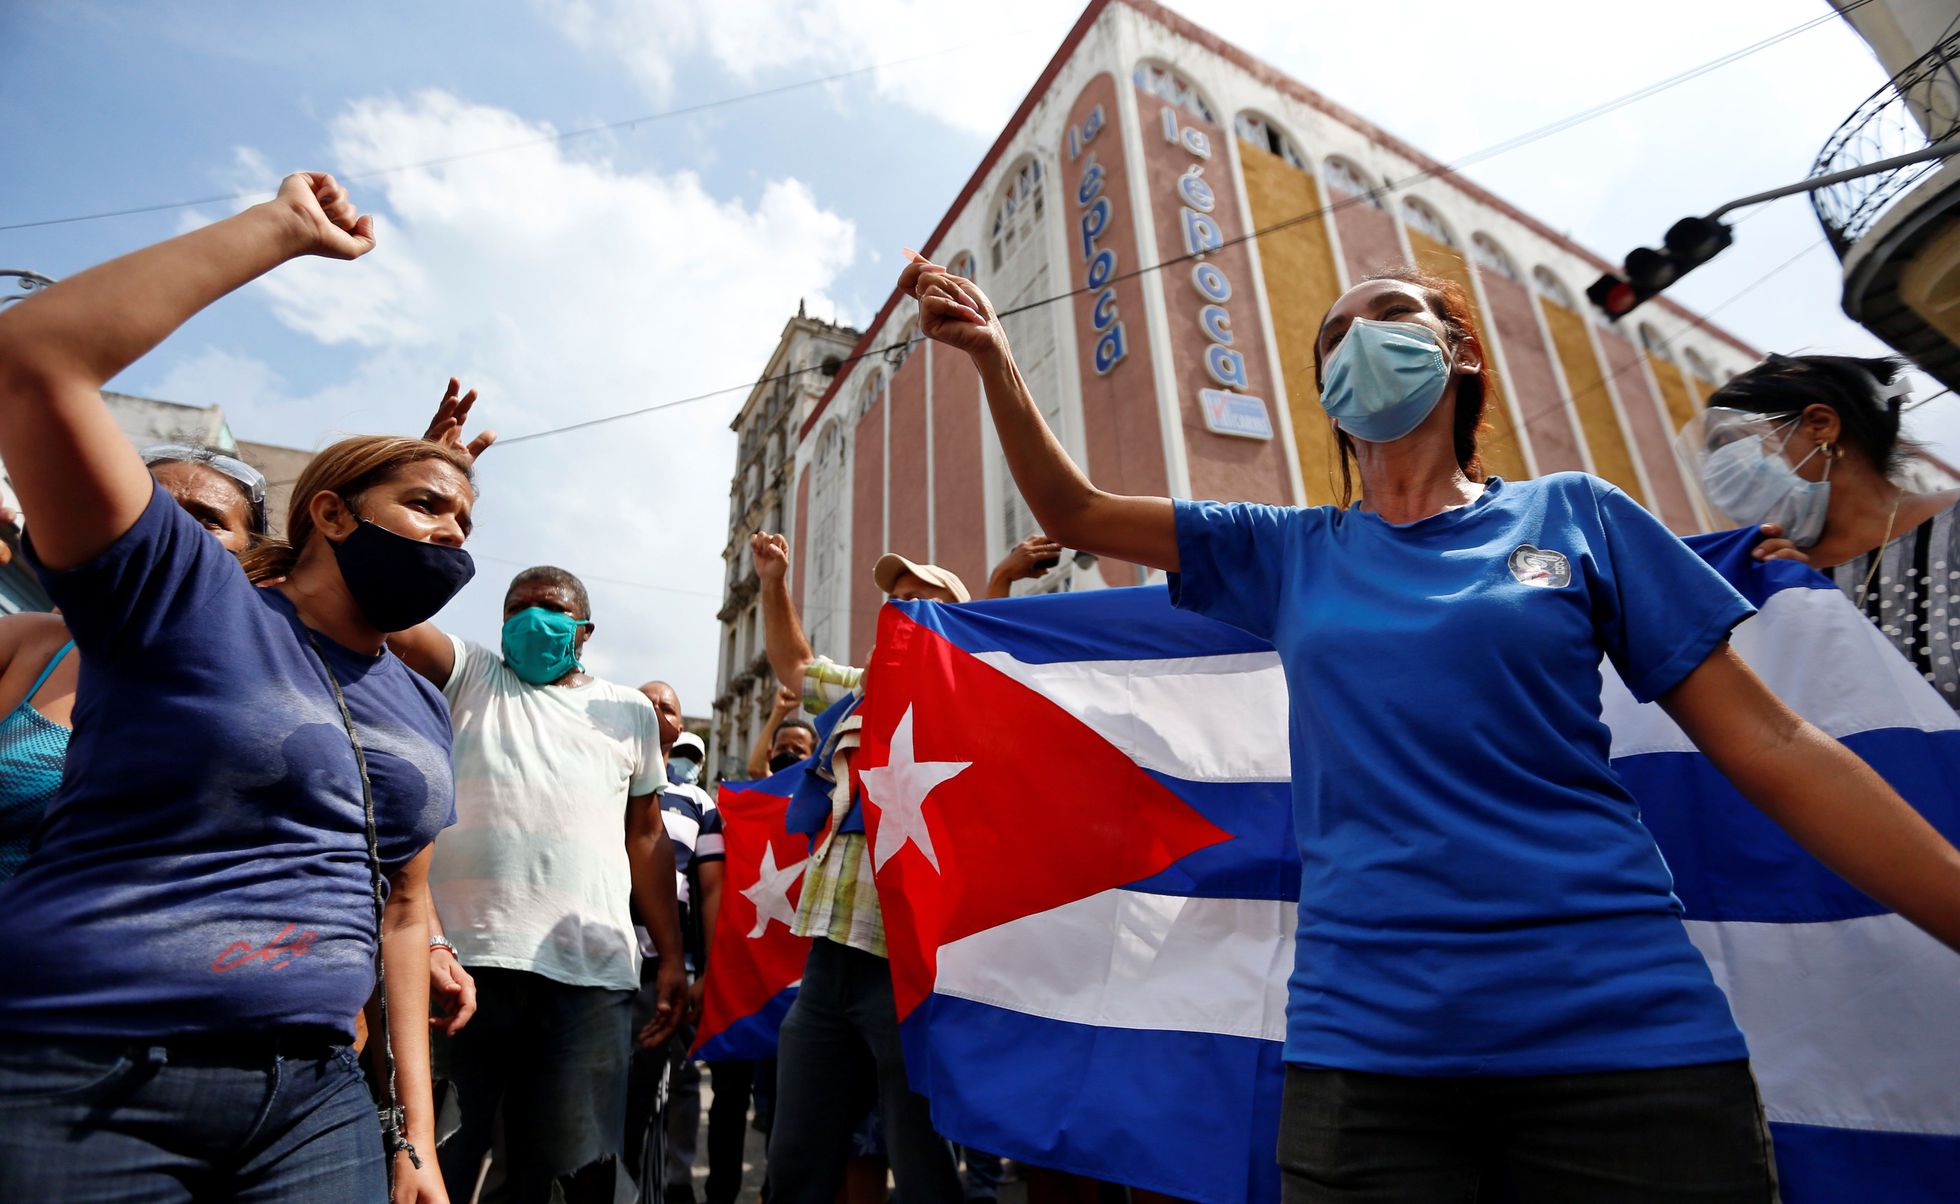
(1919, 108)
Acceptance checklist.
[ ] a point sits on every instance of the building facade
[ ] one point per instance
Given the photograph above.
(808, 357)
(1193, 213)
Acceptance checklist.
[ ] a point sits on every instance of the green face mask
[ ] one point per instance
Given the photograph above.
(540, 645)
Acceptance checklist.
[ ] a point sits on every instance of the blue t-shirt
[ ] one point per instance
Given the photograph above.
(204, 868)
(1478, 894)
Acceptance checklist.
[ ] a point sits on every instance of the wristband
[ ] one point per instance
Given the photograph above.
(439, 941)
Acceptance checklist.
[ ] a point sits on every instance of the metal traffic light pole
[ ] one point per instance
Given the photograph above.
(1938, 151)
(1693, 241)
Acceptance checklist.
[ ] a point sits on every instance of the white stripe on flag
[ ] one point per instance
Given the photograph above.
(1174, 963)
(1852, 1024)
(1849, 679)
(1200, 718)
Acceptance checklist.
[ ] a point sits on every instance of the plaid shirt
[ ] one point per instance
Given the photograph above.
(840, 897)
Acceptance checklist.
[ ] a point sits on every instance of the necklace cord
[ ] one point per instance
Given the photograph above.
(1878, 553)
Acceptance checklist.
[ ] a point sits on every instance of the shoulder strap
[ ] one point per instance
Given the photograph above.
(47, 671)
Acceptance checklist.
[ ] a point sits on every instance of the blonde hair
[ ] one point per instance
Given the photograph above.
(348, 468)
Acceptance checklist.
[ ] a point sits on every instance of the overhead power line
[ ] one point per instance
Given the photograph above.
(624, 123)
(1367, 197)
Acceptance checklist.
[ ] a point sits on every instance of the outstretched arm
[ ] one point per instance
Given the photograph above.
(1069, 508)
(782, 631)
(1820, 792)
(76, 473)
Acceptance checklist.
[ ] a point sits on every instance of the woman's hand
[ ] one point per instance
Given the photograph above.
(324, 217)
(452, 413)
(422, 1186)
(1776, 547)
(952, 310)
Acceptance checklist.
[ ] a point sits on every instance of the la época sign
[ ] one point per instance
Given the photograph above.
(1099, 275)
(1228, 409)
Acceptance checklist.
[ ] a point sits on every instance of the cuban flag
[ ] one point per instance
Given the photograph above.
(755, 962)
(1082, 832)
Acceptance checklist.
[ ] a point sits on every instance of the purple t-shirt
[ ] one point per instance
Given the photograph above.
(204, 868)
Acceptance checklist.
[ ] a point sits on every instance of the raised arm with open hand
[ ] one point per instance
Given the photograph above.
(75, 471)
(1070, 509)
(451, 415)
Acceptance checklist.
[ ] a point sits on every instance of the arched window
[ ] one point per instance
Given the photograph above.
(1426, 221)
(1017, 218)
(1490, 256)
(961, 264)
(1698, 366)
(1267, 137)
(828, 529)
(1345, 179)
(1019, 276)
(1551, 288)
(1166, 84)
(869, 393)
(1655, 344)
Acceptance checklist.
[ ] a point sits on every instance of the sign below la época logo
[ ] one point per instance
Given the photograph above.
(1236, 414)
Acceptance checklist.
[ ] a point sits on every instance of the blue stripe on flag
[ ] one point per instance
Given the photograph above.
(1731, 862)
(1819, 1165)
(1194, 1115)
(1262, 862)
(754, 1036)
(1137, 623)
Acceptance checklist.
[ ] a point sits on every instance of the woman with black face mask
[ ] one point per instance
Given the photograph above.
(240, 844)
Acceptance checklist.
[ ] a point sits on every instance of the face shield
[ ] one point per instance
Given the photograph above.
(249, 479)
(1735, 460)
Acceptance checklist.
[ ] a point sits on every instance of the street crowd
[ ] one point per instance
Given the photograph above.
(308, 899)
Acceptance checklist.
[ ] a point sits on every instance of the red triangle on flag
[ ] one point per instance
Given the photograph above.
(753, 955)
(986, 802)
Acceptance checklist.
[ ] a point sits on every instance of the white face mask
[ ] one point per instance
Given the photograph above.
(1752, 484)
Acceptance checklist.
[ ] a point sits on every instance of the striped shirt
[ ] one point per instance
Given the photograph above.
(1915, 598)
(840, 896)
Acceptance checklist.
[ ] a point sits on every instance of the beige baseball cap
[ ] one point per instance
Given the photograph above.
(891, 566)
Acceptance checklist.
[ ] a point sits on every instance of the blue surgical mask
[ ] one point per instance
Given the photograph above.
(1384, 379)
(683, 771)
(1752, 484)
(540, 645)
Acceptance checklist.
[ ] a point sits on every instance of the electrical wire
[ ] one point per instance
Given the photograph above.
(1369, 197)
(543, 139)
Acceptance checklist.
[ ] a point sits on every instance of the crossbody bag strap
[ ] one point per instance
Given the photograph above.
(391, 1115)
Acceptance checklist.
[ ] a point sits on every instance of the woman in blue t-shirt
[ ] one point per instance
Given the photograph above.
(1491, 975)
(254, 780)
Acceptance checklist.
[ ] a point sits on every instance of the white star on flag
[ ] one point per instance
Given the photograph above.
(900, 787)
(770, 894)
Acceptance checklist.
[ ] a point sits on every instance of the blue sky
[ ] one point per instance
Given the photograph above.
(619, 270)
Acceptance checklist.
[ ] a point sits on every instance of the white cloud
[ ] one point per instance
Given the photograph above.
(986, 70)
(565, 289)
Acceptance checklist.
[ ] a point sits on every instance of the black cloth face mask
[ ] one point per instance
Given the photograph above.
(397, 581)
(782, 761)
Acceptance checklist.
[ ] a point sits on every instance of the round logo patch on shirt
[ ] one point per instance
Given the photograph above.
(1540, 567)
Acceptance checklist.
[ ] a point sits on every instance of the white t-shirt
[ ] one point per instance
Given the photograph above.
(534, 876)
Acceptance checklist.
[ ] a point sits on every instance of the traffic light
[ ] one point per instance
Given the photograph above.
(1689, 243)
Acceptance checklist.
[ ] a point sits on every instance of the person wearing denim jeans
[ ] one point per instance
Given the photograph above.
(286, 1119)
